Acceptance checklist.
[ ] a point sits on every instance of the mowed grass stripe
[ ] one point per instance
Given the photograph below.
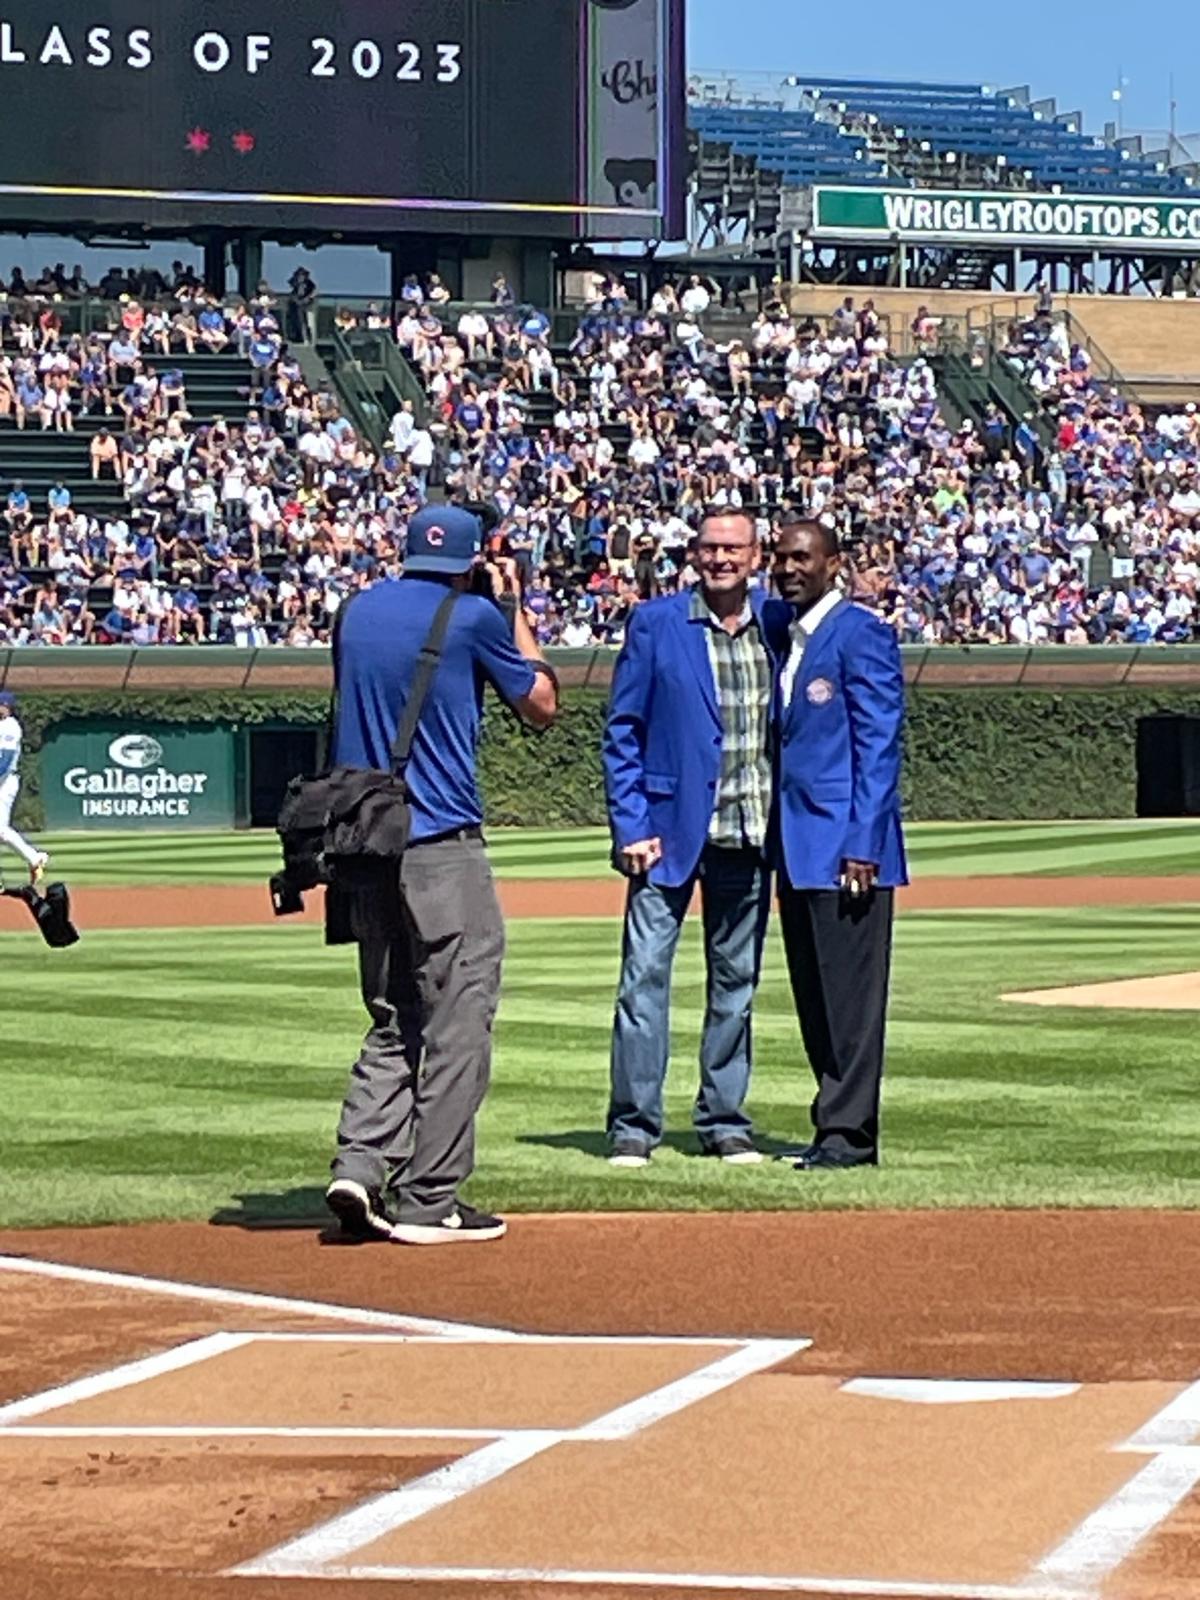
(1087, 848)
(190, 1068)
(1059, 849)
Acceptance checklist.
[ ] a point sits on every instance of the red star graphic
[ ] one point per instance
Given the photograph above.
(243, 142)
(198, 141)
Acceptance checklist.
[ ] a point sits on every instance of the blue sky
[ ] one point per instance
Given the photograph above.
(1072, 52)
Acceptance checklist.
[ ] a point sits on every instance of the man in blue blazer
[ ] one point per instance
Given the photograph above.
(687, 768)
(839, 845)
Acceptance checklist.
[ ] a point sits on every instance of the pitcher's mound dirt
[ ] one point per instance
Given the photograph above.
(1173, 991)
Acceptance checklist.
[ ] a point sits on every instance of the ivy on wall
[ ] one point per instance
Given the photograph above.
(971, 753)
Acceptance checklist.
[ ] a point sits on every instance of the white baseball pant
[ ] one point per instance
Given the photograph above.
(9, 789)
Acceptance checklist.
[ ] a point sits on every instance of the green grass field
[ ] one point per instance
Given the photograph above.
(1060, 849)
(198, 1074)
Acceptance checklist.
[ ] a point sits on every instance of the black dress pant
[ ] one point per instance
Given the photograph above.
(839, 957)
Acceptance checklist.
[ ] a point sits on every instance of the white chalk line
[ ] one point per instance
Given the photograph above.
(1176, 1423)
(122, 1377)
(375, 1518)
(209, 1294)
(621, 1340)
(171, 1431)
(431, 1328)
(862, 1588)
(1110, 1534)
(647, 1409)
(341, 1537)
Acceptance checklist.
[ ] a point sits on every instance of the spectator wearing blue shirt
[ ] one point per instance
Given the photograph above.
(115, 627)
(171, 392)
(58, 503)
(264, 348)
(430, 936)
(30, 397)
(187, 618)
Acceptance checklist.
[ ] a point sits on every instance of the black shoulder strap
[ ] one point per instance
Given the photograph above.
(427, 665)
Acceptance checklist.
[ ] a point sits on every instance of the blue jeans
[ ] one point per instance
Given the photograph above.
(735, 899)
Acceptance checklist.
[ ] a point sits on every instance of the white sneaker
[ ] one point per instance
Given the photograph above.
(629, 1153)
(736, 1151)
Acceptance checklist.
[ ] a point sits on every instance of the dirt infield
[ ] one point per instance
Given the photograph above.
(993, 1406)
(256, 1448)
(1089, 1295)
(247, 904)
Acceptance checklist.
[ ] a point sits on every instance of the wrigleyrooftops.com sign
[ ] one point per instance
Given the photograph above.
(996, 217)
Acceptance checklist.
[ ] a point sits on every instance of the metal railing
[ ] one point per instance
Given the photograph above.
(377, 353)
(359, 399)
(993, 323)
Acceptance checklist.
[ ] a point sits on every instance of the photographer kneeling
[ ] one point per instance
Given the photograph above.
(430, 935)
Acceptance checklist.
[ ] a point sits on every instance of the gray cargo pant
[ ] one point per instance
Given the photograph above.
(430, 970)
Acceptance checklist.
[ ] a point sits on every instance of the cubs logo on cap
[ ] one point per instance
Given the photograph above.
(442, 539)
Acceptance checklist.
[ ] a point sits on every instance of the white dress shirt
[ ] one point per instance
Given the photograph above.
(802, 631)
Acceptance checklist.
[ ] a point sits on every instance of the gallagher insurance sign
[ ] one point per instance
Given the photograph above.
(109, 775)
(999, 217)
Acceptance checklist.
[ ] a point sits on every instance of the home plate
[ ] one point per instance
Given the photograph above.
(955, 1391)
(1174, 991)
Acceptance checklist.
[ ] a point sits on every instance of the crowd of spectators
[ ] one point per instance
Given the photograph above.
(598, 450)
(1120, 485)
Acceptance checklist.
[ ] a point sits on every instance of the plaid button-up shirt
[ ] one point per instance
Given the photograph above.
(742, 676)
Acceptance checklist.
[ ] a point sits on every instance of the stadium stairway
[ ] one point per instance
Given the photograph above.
(216, 385)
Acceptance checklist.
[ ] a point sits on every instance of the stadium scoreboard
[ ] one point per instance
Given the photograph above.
(532, 117)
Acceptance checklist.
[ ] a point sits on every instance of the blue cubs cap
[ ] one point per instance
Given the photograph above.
(7, 698)
(443, 539)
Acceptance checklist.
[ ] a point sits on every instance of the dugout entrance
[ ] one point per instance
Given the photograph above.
(276, 756)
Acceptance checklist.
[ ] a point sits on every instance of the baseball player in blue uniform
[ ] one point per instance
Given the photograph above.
(10, 787)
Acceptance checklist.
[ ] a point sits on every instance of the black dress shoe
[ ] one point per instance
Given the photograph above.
(794, 1152)
(818, 1159)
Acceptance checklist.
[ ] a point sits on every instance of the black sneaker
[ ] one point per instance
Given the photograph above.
(359, 1210)
(737, 1151)
(464, 1225)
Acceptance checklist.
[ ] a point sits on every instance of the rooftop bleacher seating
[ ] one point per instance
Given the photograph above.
(847, 130)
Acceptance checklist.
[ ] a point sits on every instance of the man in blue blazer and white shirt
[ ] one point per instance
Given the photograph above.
(687, 768)
(840, 846)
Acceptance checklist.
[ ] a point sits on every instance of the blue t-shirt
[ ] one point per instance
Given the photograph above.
(381, 635)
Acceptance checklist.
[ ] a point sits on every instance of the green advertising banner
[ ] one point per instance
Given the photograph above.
(995, 217)
(108, 775)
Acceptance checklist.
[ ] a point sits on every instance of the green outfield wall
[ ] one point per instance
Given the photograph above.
(985, 751)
